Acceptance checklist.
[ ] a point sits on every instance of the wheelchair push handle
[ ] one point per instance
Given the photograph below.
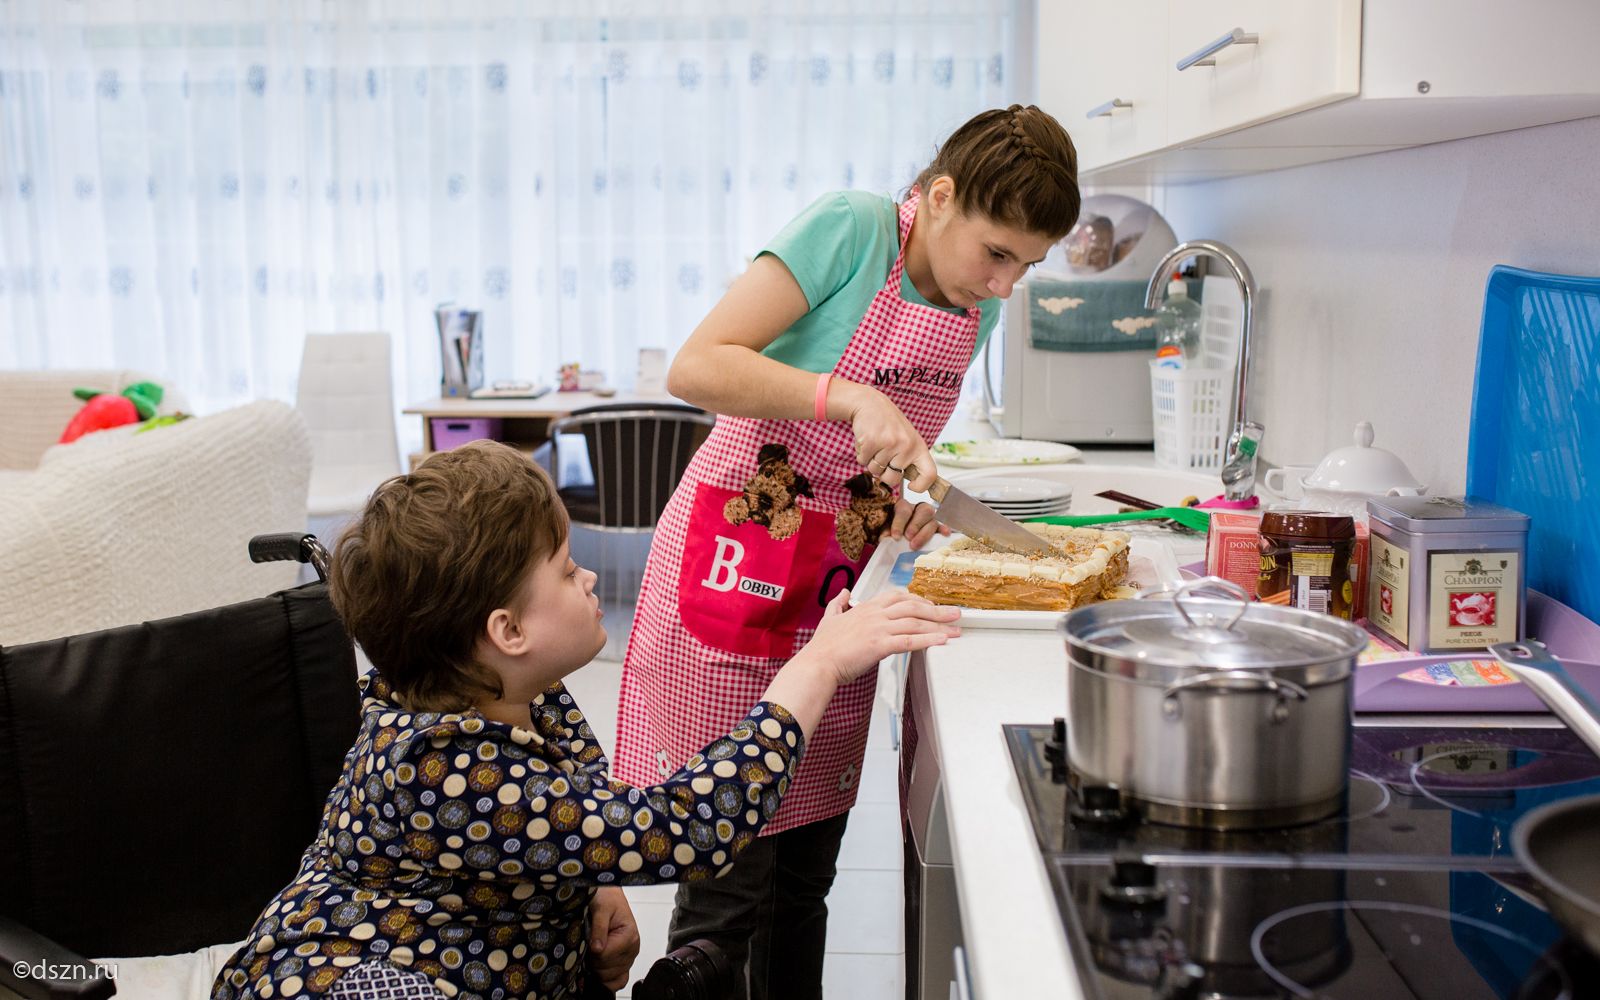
(291, 546)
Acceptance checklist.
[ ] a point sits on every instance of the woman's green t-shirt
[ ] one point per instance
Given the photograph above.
(840, 250)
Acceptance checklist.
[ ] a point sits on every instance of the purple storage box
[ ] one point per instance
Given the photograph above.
(451, 432)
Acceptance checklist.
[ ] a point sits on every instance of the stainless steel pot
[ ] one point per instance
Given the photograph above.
(1207, 711)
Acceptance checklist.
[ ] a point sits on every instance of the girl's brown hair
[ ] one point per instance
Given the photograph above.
(432, 555)
(1015, 165)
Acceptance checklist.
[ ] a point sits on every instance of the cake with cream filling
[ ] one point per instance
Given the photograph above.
(1091, 565)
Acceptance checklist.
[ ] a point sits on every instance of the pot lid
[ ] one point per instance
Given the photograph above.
(1361, 468)
(1188, 630)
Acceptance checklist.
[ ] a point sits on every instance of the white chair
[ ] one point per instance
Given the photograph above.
(347, 399)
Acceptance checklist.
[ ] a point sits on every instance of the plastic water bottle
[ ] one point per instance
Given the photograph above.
(1177, 327)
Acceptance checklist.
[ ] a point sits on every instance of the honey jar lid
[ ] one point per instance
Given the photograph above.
(1424, 514)
(1312, 525)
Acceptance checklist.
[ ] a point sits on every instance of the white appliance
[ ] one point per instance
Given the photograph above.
(1083, 395)
(1069, 396)
(933, 907)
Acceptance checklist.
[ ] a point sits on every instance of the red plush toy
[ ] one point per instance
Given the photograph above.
(104, 410)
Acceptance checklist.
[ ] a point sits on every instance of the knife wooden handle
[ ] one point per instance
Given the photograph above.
(939, 490)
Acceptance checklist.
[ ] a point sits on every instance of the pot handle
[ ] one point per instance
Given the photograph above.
(1531, 663)
(1215, 583)
(1232, 680)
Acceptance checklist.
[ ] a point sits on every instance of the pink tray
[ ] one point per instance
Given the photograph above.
(1572, 638)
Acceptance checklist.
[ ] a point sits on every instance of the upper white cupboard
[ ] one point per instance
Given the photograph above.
(1164, 91)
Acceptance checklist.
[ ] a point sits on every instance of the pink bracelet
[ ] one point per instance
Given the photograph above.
(822, 395)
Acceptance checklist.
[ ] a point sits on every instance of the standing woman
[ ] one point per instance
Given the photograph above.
(832, 362)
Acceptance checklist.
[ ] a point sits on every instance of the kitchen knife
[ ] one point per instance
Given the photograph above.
(975, 519)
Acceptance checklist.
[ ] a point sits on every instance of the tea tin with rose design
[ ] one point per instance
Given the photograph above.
(1447, 574)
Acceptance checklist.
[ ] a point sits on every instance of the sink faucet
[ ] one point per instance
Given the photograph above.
(1239, 461)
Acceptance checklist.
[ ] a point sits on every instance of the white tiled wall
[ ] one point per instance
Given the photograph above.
(1372, 272)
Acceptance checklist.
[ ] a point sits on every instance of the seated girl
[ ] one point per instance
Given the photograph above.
(475, 844)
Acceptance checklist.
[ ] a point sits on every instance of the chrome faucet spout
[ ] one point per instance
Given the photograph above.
(1239, 482)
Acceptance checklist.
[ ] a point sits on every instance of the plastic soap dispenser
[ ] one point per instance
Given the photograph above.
(1177, 327)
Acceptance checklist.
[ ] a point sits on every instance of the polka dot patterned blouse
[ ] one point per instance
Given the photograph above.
(468, 849)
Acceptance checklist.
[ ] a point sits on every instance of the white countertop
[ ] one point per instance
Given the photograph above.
(1015, 941)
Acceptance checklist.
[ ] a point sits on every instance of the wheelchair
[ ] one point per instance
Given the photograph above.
(159, 783)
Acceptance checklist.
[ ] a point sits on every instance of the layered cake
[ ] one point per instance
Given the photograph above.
(1091, 565)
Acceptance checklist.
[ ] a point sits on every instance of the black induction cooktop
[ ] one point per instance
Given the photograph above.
(1411, 891)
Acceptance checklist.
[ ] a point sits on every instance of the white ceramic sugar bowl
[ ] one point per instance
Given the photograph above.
(1346, 477)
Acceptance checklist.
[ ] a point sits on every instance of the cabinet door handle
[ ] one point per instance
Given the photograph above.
(1104, 110)
(1206, 55)
(963, 980)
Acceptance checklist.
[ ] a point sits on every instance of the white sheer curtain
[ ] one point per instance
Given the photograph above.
(189, 186)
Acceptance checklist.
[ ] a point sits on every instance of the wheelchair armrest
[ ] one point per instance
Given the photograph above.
(37, 968)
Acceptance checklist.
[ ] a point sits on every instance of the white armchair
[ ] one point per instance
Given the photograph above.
(121, 527)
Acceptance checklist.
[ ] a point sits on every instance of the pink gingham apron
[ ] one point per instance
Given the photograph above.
(724, 605)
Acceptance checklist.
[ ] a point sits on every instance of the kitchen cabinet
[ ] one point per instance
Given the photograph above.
(1303, 55)
(1300, 81)
(1112, 57)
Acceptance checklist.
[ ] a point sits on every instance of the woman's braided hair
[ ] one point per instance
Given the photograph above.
(1015, 165)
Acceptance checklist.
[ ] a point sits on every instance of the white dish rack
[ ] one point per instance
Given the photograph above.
(1191, 407)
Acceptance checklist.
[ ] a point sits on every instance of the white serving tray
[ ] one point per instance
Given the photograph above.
(1151, 564)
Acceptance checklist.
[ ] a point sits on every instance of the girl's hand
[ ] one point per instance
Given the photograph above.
(850, 641)
(613, 937)
(915, 522)
(886, 443)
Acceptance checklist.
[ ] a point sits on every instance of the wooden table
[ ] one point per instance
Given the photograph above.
(525, 423)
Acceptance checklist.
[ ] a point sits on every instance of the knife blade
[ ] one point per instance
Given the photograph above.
(976, 519)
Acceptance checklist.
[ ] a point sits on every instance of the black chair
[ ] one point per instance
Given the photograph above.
(159, 782)
(637, 454)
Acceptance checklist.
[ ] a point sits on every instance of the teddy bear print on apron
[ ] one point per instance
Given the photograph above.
(771, 520)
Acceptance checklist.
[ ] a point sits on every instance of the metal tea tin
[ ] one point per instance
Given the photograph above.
(1447, 574)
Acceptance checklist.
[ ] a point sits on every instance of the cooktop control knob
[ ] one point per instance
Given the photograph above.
(1132, 883)
(1100, 804)
(1055, 751)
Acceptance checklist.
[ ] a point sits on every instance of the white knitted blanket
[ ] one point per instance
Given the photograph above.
(119, 527)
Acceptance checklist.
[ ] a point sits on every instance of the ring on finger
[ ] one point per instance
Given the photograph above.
(891, 468)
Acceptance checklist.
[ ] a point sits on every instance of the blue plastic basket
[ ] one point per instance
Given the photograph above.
(1535, 438)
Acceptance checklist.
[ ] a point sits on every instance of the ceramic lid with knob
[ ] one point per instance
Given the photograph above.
(1361, 468)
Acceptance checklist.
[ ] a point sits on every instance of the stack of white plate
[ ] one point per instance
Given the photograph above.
(1018, 497)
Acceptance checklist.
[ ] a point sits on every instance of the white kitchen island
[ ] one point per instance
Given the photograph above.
(1015, 941)
(1011, 928)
